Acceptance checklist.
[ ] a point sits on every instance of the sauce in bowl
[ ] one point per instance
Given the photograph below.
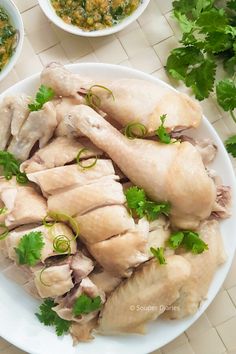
(7, 38)
(91, 15)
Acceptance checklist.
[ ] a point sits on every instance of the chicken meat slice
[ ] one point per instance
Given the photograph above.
(62, 81)
(139, 100)
(80, 200)
(203, 268)
(173, 172)
(39, 127)
(159, 233)
(18, 274)
(102, 223)
(82, 332)
(64, 307)
(58, 152)
(54, 180)
(24, 204)
(127, 310)
(5, 126)
(81, 265)
(53, 281)
(120, 254)
(48, 234)
(105, 281)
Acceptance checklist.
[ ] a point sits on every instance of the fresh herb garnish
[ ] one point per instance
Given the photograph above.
(50, 318)
(85, 304)
(11, 167)
(84, 166)
(230, 145)
(43, 95)
(188, 239)
(162, 133)
(5, 231)
(158, 253)
(3, 210)
(135, 130)
(208, 41)
(60, 217)
(94, 100)
(137, 201)
(29, 248)
(61, 244)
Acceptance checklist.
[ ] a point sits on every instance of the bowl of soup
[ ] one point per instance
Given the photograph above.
(11, 36)
(93, 18)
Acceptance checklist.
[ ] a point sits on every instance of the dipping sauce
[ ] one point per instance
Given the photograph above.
(93, 15)
(7, 38)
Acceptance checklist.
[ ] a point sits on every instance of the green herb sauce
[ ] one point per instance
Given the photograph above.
(7, 38)
(93, 15)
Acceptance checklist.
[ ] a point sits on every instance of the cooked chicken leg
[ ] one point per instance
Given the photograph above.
(173, 172)
(128, 310)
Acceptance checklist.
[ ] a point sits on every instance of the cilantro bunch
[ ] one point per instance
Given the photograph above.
(209, 40)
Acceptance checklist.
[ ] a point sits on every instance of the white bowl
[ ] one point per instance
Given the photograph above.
(18, 323)
(49, 11)
(16, 21)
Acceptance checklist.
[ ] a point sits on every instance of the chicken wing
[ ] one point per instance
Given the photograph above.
(203, 267)
(81, 199)
(56, 179)
(59, 152)
(172, 172)
(39, 126)
(5, 126)
(144, 296)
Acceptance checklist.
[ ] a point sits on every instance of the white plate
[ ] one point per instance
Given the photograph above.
(49, 11)
(18, 324)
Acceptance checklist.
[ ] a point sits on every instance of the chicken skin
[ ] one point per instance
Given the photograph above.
(152, 285)
(203, 268)
(134, 99)
(176, 171)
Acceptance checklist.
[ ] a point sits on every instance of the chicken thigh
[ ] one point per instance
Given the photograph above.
(144, 296)
(172, 172)
(203, 268)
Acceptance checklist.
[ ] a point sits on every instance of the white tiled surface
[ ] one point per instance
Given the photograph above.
(144, 45)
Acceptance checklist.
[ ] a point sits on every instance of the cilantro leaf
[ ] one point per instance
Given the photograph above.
(185, 24)
(50, 318)
(217, 42)
(212, 21)
(158, 253)
(11, 167)
(231, 4)
(137, 201)
(161, 131)
(230, 65)
(188, 239)
(230, 145)
(29, 248)
(180, 59)
(44, 95)
(85, 304)
(226, 94)
(201, 79)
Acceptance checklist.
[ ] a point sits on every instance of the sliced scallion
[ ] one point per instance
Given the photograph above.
(78, 159)
(135, 130)
(61, 244)
(5, 231)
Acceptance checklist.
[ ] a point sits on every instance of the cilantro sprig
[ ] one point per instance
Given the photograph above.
(138, 202)
(50, 318)
(85, 304)
(11, 167)
(208, 41)
(158, 253)
(161, 131)
(43, 95)
(189, 239)
(230, 145)
(29, 248)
